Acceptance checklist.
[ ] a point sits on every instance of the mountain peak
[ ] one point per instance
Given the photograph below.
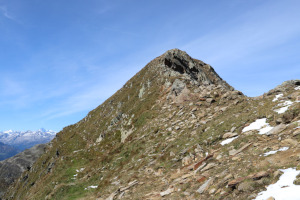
(177, 62)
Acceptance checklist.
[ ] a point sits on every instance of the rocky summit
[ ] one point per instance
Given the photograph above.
(175, 130)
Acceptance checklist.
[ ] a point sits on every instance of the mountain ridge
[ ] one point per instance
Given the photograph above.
(175, 130)
(26, 139)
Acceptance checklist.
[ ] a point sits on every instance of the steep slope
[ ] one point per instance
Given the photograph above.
(12, 168)
(159, 137)
(7, 151)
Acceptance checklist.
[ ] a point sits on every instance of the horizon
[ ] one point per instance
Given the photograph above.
(60, 60)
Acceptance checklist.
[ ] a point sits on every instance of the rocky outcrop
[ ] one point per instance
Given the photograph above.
(179, 62)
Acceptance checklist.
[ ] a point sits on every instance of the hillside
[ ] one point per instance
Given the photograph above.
(12, 168)
(175, 130)
(7, 151)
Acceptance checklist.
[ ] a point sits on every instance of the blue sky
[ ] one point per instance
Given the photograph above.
(60, 59)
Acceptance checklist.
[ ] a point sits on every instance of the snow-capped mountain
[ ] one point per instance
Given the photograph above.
(25, 139)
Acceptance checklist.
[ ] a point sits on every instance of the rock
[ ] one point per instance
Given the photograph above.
(297, 180)
(212, 191)
(177, 87)
(259, 175)
(277, 129)
(209, 166)
(235, 152)
(197, 165)
(288, 117)
(296, 132)
(245, 187)
(233, 183)
(219, 157)
(290, 142)
(167, 192)
(186, 193)
(279, 120)
(187, 160)
(159, 172)
(232, 129)
(200, 167)
(112, 196)
(210, 100)
(205, 186)
(226, 178)
(125, 133)
(142, 92)
(270, 198)
(229, 135)
(277, 173)
(235, 158)
(232, 152)
(131, 184)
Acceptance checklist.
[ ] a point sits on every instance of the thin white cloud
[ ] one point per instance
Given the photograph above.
(252, 32)
(5, 13)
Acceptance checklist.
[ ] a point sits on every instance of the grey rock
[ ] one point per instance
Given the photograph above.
(199, 73)
(229, 135)
(277, 129)
(177, 87)
(205, 186)
(245, 187)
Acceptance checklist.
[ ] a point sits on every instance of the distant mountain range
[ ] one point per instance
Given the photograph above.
(22, 140)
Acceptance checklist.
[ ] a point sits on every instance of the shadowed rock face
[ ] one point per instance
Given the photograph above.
(12, 168)
(196, 70)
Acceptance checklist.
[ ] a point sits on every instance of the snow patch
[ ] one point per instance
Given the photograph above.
(284, 188)
(260, 125)
(91, 187)
(286, 105)
(277, 97)
(227, 141)
(80, 170)
(273, 152)
(297, 88)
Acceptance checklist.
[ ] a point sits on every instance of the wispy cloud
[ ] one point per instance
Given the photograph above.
(4, 11)
(252, 32)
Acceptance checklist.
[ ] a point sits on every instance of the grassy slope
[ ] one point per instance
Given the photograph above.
(149, 146)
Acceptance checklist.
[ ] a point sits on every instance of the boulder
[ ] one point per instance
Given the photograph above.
(229, 135)
(277, 129)
(290, 142)
(205, 186)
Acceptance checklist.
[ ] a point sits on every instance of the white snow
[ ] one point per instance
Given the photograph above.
(286, 105)
(283, 189)
(26, 139)
(80, 170)
(260, 125)
(227, 141)
(297, 88)
(92, 186)
(273, 152)
(277, 97)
